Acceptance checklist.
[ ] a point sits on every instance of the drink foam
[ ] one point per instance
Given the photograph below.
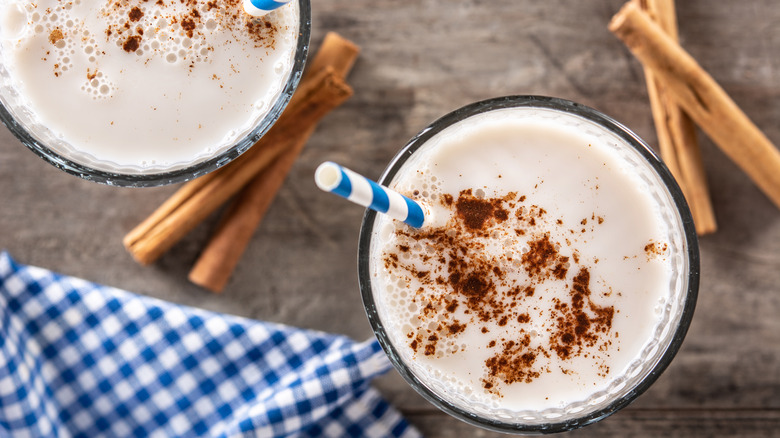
(550, 266)
(138, 85)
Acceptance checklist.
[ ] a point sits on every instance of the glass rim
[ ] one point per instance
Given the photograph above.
(630, 139)
(193, 170)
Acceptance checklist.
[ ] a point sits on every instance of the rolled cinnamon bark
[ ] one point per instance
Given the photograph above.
(677, 141)
(701, 97)
(219, 258)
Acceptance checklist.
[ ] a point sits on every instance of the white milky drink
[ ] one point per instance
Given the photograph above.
(557, 267)
(142, 87)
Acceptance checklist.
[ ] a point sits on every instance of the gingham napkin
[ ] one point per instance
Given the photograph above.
(83, 360)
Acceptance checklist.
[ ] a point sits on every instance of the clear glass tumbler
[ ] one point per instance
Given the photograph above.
(674, 314)
(23, 127)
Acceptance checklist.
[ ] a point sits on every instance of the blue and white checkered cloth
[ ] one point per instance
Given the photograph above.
(83, 360)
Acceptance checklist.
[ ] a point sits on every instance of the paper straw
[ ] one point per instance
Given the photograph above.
(333, 178)
(258, 8)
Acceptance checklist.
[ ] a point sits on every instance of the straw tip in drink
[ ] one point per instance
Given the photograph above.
(258, 8)
(328, 176)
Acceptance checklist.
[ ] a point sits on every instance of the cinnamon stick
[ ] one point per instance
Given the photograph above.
(662, 11)
(701, 97)
(336, 52)
(676, 132)
(199, 198)
(219, 258)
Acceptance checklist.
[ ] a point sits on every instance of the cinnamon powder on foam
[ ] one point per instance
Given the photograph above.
(231, 16)
(462, 274)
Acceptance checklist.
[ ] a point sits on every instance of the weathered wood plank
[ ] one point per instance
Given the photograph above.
(632, 423)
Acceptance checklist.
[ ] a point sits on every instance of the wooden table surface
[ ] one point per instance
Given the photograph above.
(421, 59)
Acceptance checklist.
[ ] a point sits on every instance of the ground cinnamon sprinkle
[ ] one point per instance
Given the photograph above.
(474, 212)
(132, 43)
(543, 260)
(135, 14)
(655, 249)
(461, 279)
(576, 329)
(230, 17)
(55, 36)
(515, 363)
(188, 23)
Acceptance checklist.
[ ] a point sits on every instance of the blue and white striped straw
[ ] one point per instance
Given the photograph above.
(333, 178)
(258, 8)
